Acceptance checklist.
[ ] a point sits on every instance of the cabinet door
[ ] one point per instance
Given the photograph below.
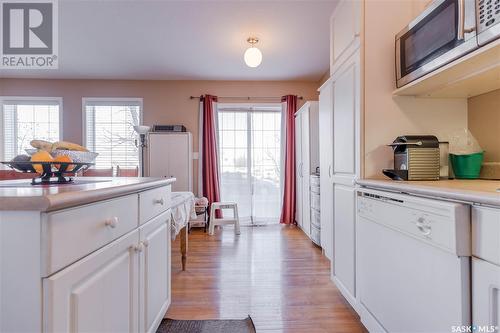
(344, 243)
(158, 151)
(346, 169)
(170, 156)
(344, 32)
(298, 170)
(325, 156)
(99, 293)
(179, 160)
(155, 272)
(346, 141)
(485, 293)
(306, 171)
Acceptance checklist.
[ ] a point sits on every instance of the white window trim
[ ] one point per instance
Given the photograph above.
(30, 100)
(110, 100)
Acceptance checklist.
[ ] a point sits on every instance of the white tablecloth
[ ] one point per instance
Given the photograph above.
(182, 210)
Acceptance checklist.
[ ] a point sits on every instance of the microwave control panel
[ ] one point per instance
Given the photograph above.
(488, 13)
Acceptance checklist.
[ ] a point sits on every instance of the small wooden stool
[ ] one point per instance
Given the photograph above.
(222, 221)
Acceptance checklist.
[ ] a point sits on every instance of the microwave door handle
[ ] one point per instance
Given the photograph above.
(461, 20)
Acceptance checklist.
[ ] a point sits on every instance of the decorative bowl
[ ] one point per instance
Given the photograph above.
(76, 156)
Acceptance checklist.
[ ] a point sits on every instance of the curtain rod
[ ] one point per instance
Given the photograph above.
(245, 97)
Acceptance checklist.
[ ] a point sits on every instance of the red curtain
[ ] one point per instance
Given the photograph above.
(210, 170)
(288, 208)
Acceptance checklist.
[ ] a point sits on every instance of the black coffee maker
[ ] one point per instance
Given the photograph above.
(416, 157)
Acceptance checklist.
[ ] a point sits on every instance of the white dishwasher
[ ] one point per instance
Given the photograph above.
(413, 263)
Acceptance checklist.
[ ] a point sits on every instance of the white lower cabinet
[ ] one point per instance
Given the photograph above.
(155, 272)
(344, 271)
(486, 267)
(122, 287)
(96, 294)
(485, 293)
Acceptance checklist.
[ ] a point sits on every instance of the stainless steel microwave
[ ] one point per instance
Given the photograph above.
(445, 31)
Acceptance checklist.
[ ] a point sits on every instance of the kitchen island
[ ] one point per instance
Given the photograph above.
(89, 256)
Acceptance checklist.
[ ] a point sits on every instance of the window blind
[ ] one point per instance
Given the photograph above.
(26, 120)
(109, 132)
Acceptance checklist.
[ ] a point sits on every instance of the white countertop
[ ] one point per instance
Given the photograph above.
(21, 195)
(473, 191)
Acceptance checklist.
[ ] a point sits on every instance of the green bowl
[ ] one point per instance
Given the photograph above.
(467, 166)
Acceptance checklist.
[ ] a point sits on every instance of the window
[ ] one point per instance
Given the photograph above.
(24, 119)
(109, 130)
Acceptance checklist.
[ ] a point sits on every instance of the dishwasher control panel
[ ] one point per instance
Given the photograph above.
(440, 223)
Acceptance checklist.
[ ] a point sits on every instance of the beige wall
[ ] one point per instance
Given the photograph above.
(386, 116)
(484, 123)
(165, 102)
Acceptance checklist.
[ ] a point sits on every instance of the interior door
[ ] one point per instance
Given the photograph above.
(155, 271)
(96, 294)
(298, 170)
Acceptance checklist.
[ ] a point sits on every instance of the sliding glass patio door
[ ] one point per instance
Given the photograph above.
(250, 160)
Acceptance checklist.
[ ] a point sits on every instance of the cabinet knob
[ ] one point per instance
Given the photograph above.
(138, 248)
(112, 222)
(159, 201)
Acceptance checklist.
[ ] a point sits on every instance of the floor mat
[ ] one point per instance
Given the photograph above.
(206, 326)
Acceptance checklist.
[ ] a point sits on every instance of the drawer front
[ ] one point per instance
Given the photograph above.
(73, 233)
(315, 218)
(315, 189)
(315, 201)
(154, 202)
(315, 181)
(486, 234)
(315, 235)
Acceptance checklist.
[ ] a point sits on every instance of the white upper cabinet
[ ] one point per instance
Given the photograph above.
(346, 114)
(345, 27)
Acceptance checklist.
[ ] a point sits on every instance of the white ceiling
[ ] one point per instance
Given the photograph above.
(184, 40)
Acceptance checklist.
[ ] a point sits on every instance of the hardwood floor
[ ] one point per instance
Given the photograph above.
(273, 273)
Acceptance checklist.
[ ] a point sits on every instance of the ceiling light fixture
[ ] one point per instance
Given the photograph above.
(253, 56)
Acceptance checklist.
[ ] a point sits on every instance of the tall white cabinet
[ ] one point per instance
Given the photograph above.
(306, 160)
(326, 167)
(171, 155)
(340, 146)
(346, 169)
